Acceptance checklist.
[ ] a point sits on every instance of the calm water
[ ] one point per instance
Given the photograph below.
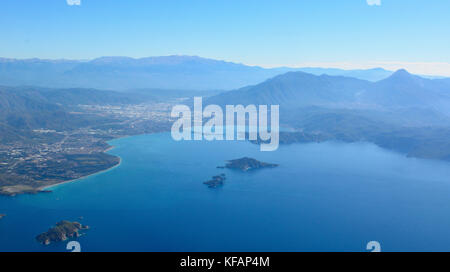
(322, 197)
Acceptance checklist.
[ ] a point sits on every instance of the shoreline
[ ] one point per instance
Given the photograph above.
(47, 187)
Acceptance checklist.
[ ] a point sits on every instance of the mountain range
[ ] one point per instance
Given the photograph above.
(166, 72)
(403, 112)
(400, 91)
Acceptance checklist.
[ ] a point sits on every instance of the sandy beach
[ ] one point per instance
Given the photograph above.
(48, 187)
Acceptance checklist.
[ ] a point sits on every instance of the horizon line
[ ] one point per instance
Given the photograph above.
(438, 69)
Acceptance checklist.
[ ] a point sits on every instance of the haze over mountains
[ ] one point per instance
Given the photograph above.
(399, 111)
(403, 112)
(298, 89)
(167, 72)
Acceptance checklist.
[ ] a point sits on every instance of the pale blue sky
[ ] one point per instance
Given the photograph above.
(258, 32)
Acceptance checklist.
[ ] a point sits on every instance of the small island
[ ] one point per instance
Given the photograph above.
(246, 164)
(61, 232)
(2, 215)
(216, 181)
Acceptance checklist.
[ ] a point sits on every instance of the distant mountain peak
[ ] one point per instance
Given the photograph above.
(402, 76)
(401, 73)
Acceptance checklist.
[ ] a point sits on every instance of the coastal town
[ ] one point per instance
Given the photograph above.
(43, 157)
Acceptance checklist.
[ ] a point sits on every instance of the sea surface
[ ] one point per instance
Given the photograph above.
(323, 197)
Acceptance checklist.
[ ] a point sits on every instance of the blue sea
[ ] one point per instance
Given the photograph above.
(323, 197)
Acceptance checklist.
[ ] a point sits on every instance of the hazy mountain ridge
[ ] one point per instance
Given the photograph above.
(373, 74)
(405, 90)
(166, 72)
(25, 108)
(404, 112)
(298, 89)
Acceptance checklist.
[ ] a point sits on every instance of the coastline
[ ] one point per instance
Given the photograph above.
(47, 187)
(13, 191)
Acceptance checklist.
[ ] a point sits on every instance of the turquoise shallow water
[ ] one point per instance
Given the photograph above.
(322, 197)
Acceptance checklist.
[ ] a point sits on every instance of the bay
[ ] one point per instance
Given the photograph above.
(323, 197)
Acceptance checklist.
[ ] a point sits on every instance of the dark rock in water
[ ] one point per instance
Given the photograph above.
(2, 215)
(216, 181)
(61, 232)
(246, 164)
